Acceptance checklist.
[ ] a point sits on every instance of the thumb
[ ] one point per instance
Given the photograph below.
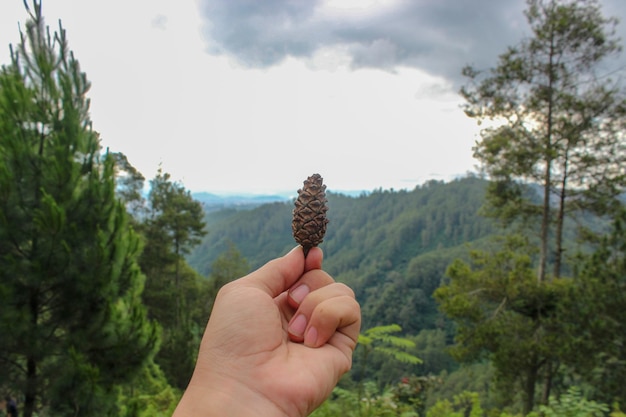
(313, 259)
(279, 274)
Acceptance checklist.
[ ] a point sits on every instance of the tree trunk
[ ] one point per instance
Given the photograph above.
(545, 225)
(31, 388)
(547, 385)
(179, 292)
(547, 179)
(558, 251)
(30, 392)
(531, 382)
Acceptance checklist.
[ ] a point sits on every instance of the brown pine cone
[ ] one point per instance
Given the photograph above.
(309, 215)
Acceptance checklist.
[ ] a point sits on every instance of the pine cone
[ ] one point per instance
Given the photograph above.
(309, 215)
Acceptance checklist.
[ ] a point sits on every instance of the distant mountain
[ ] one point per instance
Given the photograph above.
(212, 202)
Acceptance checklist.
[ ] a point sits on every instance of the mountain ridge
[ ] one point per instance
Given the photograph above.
(216, 201)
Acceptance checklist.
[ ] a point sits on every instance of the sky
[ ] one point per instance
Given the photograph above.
(253, 96)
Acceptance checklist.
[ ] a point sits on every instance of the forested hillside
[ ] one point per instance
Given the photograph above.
(476, 297)
(392, 247)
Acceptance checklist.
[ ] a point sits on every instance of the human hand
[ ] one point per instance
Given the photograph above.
(277, 342)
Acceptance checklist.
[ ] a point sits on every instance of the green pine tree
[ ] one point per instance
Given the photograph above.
(553, 148)
(71, 318)
(555, 124)
(175, 294)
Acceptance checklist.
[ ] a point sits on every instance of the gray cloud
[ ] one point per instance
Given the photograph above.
(439, 36)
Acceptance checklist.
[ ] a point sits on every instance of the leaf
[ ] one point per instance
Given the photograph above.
(398, 355)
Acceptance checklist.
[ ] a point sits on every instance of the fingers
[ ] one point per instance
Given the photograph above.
(324, 307)
(323, 312)
(310, 281)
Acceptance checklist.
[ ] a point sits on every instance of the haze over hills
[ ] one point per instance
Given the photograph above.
(211, 201)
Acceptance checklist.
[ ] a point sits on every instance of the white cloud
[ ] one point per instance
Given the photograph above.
(354, 9)
(218, 126)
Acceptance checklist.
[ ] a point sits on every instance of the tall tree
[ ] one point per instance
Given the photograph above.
(172, 225)
(71, 317)
(554, 125)
(556, 122)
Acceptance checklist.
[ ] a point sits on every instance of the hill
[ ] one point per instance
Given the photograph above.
(391, 247)
(214, 202)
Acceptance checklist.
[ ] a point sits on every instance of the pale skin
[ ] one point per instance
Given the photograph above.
(276, 344)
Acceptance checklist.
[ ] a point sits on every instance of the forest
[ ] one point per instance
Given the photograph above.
(500, 293)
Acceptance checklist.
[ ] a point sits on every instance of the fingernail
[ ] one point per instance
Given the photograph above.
(297, 326)
(294, 249)
(299, 293)
(311, 337)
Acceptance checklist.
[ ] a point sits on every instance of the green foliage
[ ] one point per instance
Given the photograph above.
(174, 212)
(71, 316)
(341, 403)
(129, 185)
(226, 268)
(259, 234)
(597, 299)
(552, 148)
(392, 226)
(465, 404)
(366, 404)
(149, 394)
(181, 328)
(411, 393)
(381, 339)
(404, 399)
(573, 404)
(431, 346)
(476, 377)
(504, 314)
(616, 411)
(570, 404)
(176, 296)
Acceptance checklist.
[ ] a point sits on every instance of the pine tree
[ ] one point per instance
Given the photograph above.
(172, 226)
(558, 123)
(71, 317)
(554, 124)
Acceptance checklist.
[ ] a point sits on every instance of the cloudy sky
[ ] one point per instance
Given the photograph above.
(252, 96)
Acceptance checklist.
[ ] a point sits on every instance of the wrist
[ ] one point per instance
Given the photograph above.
(225, 398)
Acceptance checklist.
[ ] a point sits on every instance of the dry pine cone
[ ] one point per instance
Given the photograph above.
(309, 215)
